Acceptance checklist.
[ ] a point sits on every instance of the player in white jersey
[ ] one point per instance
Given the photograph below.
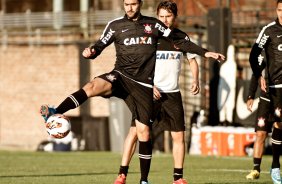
(168, 105)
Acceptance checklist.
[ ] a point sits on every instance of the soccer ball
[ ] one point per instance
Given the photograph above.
(58, 126)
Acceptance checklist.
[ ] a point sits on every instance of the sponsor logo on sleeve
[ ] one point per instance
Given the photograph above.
(108, 36)
(263, 41)
(160, 27)
(260, 59)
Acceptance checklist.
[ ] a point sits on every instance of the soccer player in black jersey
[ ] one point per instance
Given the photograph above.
(263, 124)
(270, 40)
(135, 37)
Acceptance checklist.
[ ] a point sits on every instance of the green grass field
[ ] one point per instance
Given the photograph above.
(101, 168)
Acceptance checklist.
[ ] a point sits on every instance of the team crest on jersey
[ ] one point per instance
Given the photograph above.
(278, 112)
(111, 77)
(148, 28)
(261, 122)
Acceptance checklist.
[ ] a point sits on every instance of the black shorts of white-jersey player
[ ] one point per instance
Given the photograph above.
(270, 40)
(135, 38)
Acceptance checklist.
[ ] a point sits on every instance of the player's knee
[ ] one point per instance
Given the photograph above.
(260, 136)
(97, 87)
(177, 137)
(132, 133)
(142, 130)
(88, 88)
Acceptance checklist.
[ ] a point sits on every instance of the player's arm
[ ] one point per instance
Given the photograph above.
(194, 67)
(263, 85)
(252, 92)
(256, 50)
(253, 87)
(255, 65)
(182, 40)
(253, 59)
(179, 39)
(105, 40)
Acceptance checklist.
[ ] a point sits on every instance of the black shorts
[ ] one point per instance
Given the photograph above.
(276, 99)
(169, 112)
(264, 120)
(139, 98)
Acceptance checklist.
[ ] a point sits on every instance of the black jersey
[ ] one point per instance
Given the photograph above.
(136, 45)
(269, 39)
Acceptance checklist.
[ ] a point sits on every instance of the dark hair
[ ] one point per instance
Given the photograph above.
(279, 1)
(168, 5)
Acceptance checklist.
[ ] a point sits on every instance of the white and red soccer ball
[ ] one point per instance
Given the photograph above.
(58, 126)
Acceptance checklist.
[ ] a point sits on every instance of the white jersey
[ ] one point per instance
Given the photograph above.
(167, 70)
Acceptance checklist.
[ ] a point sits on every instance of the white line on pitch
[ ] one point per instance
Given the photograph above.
(233, 170)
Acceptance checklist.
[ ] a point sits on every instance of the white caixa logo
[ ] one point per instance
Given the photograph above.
(138, 40)
(168, 55)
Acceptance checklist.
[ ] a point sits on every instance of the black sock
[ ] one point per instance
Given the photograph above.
(276, 140)
(177, 173)
(145, 156)
(257, 162)
(72, 101)
(123, 170)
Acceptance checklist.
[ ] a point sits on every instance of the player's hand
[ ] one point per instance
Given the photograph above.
(250, 103)
(217, 56)
(88, 52)
(157, 94)
(195, 88)
(262, 83)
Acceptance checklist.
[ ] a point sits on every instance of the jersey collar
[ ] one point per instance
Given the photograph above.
(139, 17)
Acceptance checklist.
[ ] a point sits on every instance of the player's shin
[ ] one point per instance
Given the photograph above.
(145, 156)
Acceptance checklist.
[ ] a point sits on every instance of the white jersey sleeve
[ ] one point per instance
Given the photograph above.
(190, 56)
